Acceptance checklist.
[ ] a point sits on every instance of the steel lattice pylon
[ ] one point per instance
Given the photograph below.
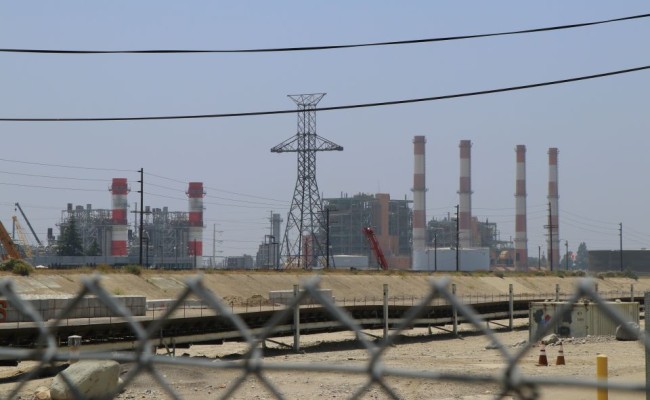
(303, 244)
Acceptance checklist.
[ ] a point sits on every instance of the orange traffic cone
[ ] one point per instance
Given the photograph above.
(560, 356)
(542, 361)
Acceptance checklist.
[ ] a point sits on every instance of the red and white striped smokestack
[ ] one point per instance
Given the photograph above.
(195, 194)
(465, 195)
(120, 229)
(521, 235)
(419, 260)
(553, 199)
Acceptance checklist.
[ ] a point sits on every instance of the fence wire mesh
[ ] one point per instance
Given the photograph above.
(47, 348)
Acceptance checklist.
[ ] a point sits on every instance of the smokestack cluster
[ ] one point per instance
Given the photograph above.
(553, 241)
(521, 239)
(120, 229)
(419, 204)
(465, 195)
(195, 195)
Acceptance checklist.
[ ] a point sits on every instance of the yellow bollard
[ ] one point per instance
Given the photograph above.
(601, 375)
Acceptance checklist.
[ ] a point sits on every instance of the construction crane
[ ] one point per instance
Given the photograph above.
(372, 238)
(28, 224)
(27, 249)
(10, 247)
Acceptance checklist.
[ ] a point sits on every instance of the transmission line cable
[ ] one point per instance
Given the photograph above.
(66, 166)
(337, 108)
(332, 47)
(217, 189)
(54, 177)
(50, 187)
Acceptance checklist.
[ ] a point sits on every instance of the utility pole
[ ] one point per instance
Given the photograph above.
(327, 238)
(620, 248)
(566, 256)
(141, 191)
(457, 242)
(435, 251)
(539, 257)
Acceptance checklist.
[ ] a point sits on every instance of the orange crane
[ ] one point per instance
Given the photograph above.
(372, 238)
(10, 247)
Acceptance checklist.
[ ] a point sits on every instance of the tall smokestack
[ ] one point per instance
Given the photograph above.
(120, 229)
(521, 238)
(465, 195)
(419, 204)
(553, 241)
(195, 194)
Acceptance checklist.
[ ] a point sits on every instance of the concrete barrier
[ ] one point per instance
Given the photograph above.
(285, 296)
(50, 307)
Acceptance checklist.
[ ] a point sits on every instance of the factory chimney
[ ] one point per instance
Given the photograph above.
(120, 231)
(195, 194)
(521, 237)
(553, 241)
(465, 195)
(419, 205)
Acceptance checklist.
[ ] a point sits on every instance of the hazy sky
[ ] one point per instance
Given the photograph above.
(600, 126)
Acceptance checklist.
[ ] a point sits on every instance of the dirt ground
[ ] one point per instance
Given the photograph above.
(417, 351)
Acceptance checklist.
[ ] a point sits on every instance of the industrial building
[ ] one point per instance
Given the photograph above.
(268, 253)
(390, 220)
(170, 239)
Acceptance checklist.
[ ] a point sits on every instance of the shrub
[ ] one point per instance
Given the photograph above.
(18, 267)
(499, 274)
(628, 273)
(133, 269)
(104, 269)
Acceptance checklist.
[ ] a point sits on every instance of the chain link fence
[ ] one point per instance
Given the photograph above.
(376, 374)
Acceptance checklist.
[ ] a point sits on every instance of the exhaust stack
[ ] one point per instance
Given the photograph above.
(553, 241)
(195, 195)
(521, 235)
(419, 204)
(120, 231)
(465, 195)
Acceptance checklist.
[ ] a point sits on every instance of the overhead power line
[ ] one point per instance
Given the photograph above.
(66, 166)
(337, 108)
(333, 47)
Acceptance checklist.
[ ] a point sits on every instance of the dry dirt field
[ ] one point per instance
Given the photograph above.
(417, 349)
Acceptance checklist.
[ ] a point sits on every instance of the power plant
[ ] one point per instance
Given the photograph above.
(360, 231)
(171, 239)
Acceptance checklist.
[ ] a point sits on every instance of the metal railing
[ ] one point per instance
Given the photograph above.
(511, 379)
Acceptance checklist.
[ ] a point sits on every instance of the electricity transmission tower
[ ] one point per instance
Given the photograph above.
(303, 244)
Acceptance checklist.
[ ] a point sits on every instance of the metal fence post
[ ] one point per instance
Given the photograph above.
(454, 311)
(557, 292)
(385, 310)
(601, 375)
(296, 322)
(646, 296)
(632, 292)
(74, 345)
(596, 287)
(511, 306)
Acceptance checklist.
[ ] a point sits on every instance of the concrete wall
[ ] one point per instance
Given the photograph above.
(89, 307)
(610, 260)
(285, 296)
